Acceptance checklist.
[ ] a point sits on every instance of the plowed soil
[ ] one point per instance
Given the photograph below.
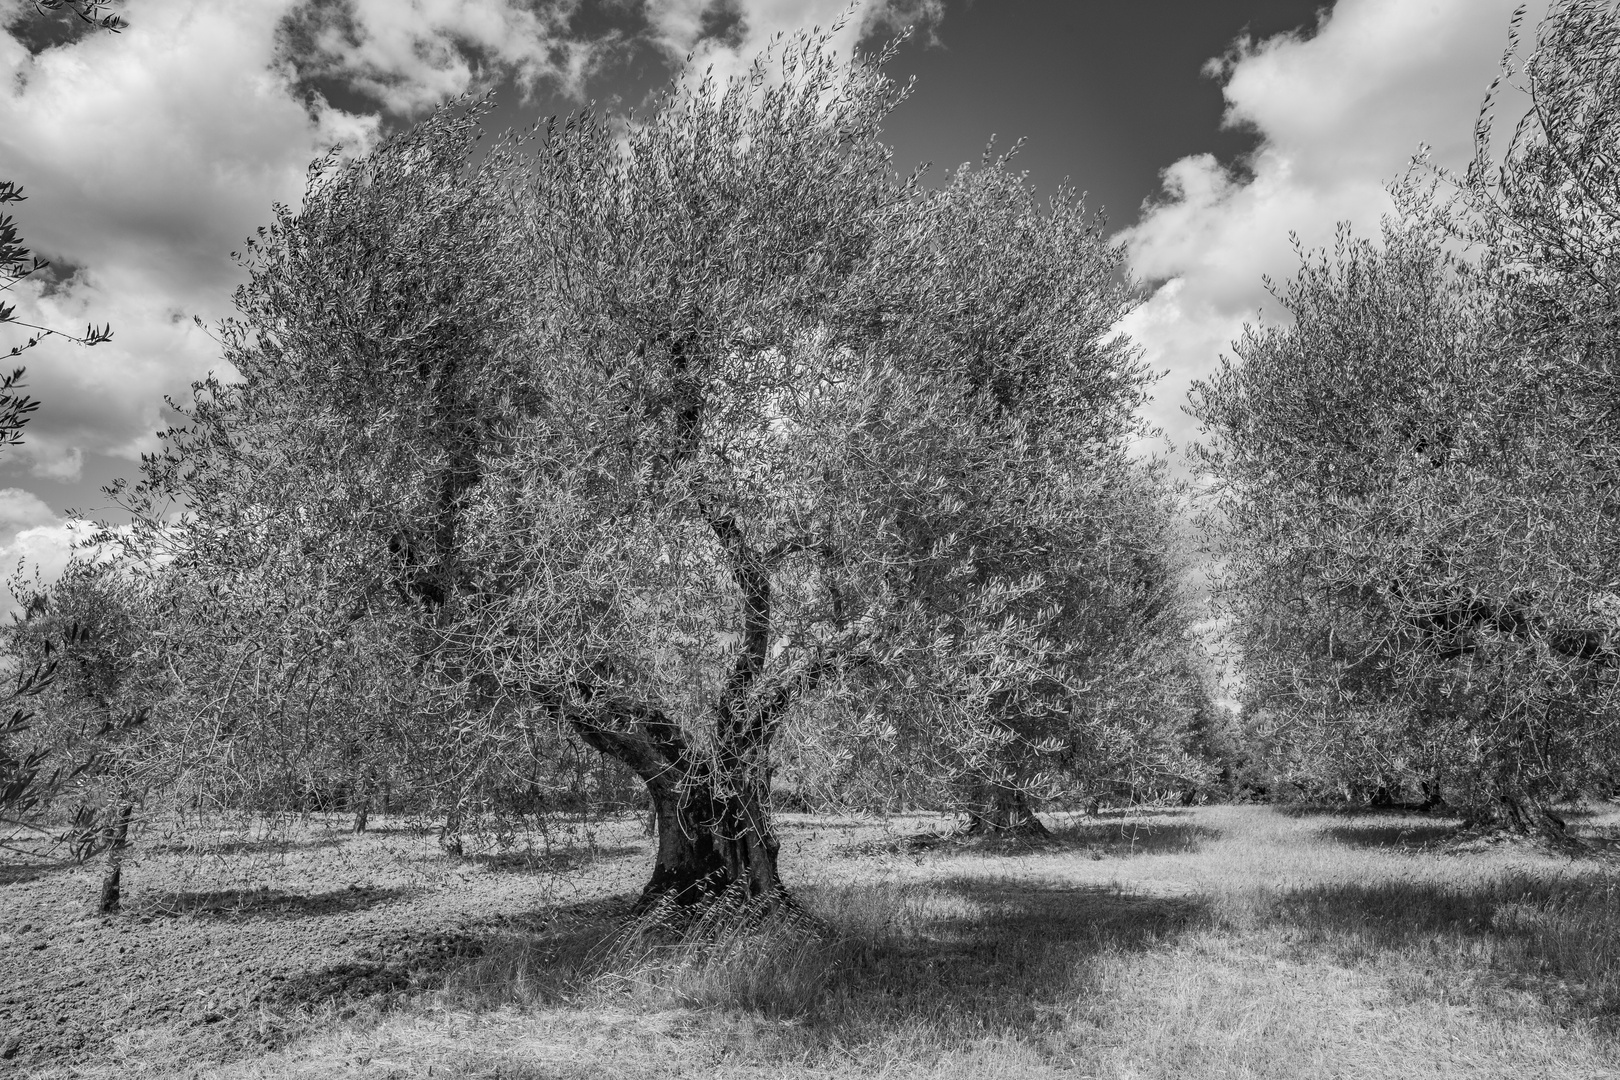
(233, 943)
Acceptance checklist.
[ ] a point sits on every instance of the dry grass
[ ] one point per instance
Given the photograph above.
(1219, 942)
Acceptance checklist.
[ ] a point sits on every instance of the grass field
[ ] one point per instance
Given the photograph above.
(1212, 942)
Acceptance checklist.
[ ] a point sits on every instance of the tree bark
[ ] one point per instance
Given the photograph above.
(711, 844)
(1004, 812)
(450, 834)
(1529, 817)
(713, 808)
(1525, 817)
(112, 878)
(360, 800)
(714, 834)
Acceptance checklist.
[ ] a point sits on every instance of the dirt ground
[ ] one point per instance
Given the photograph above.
(231, 943)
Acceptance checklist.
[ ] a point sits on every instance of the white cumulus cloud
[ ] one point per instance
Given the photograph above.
(149, 155)
(411, 56)
(1339, 114)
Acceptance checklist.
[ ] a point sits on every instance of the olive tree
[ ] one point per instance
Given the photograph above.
(1417, 473)
(1044, 607)
(662, 435)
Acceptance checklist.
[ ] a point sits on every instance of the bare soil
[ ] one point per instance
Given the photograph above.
(231, 944)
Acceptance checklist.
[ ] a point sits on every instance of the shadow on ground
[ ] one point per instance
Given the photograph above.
(1155, 834)
(1555, 938)
(960, 955)
(275, 844)
(271, 903)
(1417, 832)
(1113, 835)
(487, 962)
(558, 860)
(22, 873)
(1002, 956)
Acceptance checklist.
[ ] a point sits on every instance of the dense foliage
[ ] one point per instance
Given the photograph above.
(1417, 474)
(663, 440)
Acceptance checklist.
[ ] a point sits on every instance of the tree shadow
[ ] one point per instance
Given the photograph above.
(1417, 835)
(20, 873)
(1108, 834)
(264, 845)
(999, 956)
(1310, 808)
(1126, 837)
(268, 903)
(558, 860)
(1556, 938)
(961, 954)
(464, 961)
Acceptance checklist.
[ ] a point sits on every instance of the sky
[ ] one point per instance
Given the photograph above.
(1207, 131)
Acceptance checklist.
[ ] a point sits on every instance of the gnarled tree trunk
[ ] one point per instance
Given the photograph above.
(1529, 817)
(1004, 812)
(714, 831)
(713, 808)
(709, 844)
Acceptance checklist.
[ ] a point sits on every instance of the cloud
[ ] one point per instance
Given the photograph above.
(412, 56)
(39, 553)
(34, 541)
(726, 35)
(21, 509)
(149, 155)
(1339, 113)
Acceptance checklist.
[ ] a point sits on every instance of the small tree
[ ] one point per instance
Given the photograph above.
(80, 655)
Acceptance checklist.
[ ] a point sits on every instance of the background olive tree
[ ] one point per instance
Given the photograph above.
(1417, 473)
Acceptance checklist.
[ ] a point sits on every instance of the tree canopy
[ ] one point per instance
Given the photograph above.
(664, 437)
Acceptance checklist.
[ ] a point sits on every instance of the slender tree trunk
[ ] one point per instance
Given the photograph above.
(450, 833)
(360, 801)
(112, 878)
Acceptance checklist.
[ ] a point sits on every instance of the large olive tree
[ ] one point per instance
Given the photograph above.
(657, 433)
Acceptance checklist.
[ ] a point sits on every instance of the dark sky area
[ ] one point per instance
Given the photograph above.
(1106, 92)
